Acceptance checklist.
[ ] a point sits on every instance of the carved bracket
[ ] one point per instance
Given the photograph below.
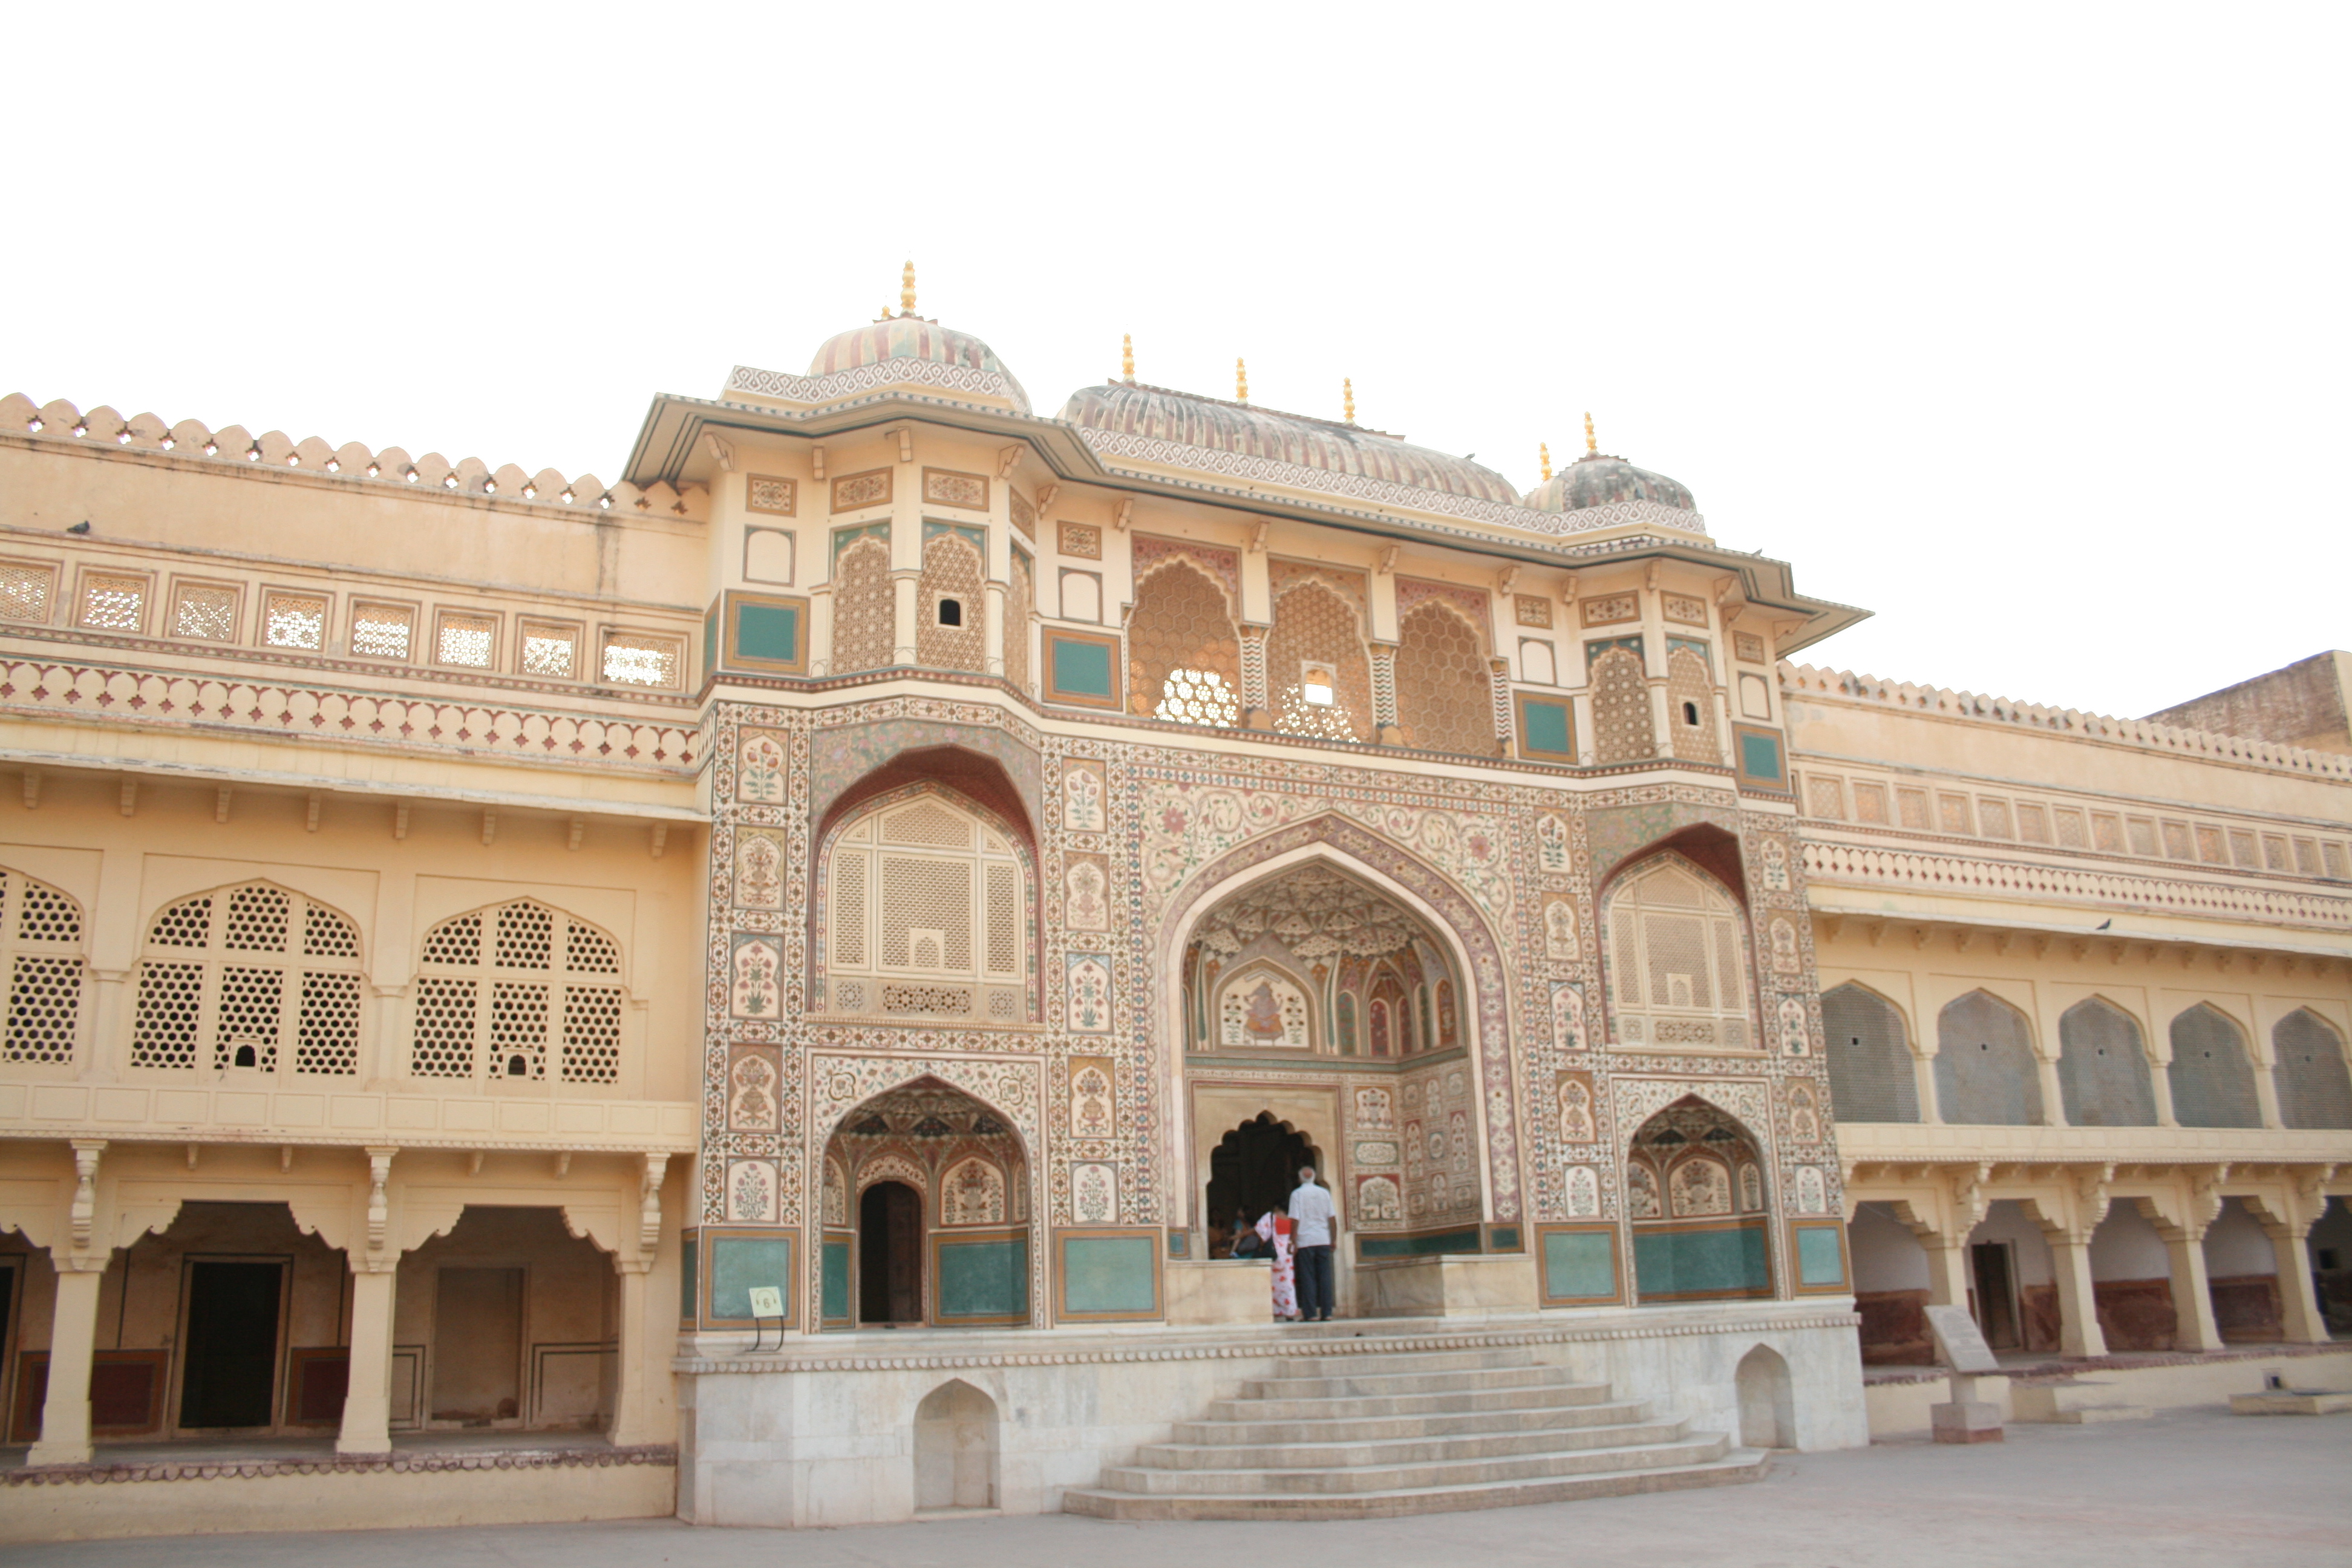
(649, 1217)
(82, 1217)
(379, 1206)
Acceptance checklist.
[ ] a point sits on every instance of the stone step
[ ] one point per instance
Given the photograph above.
(1346, 1384)
(2075, 1403)
(1423, 1450)
(1540, 1396)
(1741, 1465)
(1376, 1429)
(1339, 1364)
(1412, 1476)
(2291, 1401)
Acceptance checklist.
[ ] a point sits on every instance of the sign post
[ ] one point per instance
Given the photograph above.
(1967, 1417)
(767, 1305)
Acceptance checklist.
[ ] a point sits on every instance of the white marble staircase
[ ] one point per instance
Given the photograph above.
(1367, 1435)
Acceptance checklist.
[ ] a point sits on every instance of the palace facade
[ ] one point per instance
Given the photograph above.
(894, 874)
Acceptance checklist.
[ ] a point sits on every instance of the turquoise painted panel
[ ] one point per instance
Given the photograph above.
(1504, 1238)
(1546, 726)
(1819, 1259)
(1690, 1262)
(768, 631)
(687, 1279)
(739, 1262)
(1108, 1274)
(1580, 1263)
(1180, 1244)
(1427, 1244)
(1760, 757)
(834, 1261)
(710, 640)
(1082, 668)
(984, 1279)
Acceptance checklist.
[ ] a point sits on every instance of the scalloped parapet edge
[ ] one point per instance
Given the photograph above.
(1811, 680)
(234, 447)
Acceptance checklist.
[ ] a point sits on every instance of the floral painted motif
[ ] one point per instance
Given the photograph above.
(759, 780)
(1583, 1193)
(1576, 1121)
(1086, 903)
(758, 962)
(1752, 1189)
(1094, 1193)
(972, 1192)
(1566, 1016)
(1785, 957)
(1796, 1038)
(1093, 1104)
(1699, 1188)
(751, 1094)
(1377, 1200)
(1560, 930)
(759, 871)
(750, 1190)
(1776, 866)
(1804, 1115)
(1551, 842)
(1089, 993)
(1812, 1191)
(1084, 797)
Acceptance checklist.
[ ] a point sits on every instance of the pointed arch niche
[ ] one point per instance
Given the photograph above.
(925, 909)
(1696, 1198)
(925, 1215)
(1405, 985)
(1674, 950)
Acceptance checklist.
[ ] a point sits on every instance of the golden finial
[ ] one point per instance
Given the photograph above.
(1543, 450)
(1590, 445)
(1241, 380)
(1127, 356)
(1348, 398)
(906, 290)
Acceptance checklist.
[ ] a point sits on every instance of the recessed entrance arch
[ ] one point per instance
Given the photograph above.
(1252, 1167)
(1695, 1194)
(1462, 994)
(926, 1212)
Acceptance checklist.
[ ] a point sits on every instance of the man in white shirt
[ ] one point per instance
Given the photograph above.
(1312, 1213)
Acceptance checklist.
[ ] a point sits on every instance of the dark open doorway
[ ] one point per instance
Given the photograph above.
(890, 1254)
(1995, 1295)
(1253, 1168)
(229, 1367)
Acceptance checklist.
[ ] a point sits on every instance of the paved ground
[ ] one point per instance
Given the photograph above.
(2188, 1487)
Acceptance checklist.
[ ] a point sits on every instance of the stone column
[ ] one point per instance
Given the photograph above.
(367, 1396)
(2079, 1333)
(633, 1418)
(903, 583)
(73, 1344)
(2301, 1321)
(1384, 701)
(2192, 1291)
(820, 629)
(1498, 690)
(1254, 715)
(1948, 1269)
(993, 633)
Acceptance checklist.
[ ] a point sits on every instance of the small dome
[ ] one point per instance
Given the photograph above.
(1182, 419)
(907, 337)
(1595, 479)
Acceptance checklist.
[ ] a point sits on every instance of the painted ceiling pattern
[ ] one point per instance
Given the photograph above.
(1315, 912)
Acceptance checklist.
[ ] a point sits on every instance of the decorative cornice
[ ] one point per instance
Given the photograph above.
(1383, 492)
(1833, 864)
(844, 384)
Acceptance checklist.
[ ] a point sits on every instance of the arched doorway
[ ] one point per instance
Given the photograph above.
(1252, 1167)
(926, 1212)
(1695, 1194)
(890, 1254)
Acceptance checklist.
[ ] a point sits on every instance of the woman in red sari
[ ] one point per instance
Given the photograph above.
(1275, 1228)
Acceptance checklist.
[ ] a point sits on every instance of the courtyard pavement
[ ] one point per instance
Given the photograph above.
(2188, 1487)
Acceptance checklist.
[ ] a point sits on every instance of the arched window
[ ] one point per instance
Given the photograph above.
(2103, 1074)
(1444, 691)
(865, 634)
(952, 631)
(503, 992)
(1984, 1074)
(1184, 658)
(1690, 692)
(925, 913)
(1676, 973)
(40, 945)
(1318, 679)
(1871, 1073)
(2213, 1078)
(1622, 730)
(2314, 1088)
(251, 977)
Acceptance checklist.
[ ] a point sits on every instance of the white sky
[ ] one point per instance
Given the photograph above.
(2025, 327)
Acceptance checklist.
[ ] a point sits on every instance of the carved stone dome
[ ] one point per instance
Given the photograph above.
(1597, 479)
(1182, 419)
(910, 337)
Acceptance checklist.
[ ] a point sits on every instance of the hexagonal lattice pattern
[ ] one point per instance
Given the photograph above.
(952, 570)
(1184, 658)
(1314, 625)
(1622, 730)
(1443, 686)
(523, 1008)
(864, 619)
